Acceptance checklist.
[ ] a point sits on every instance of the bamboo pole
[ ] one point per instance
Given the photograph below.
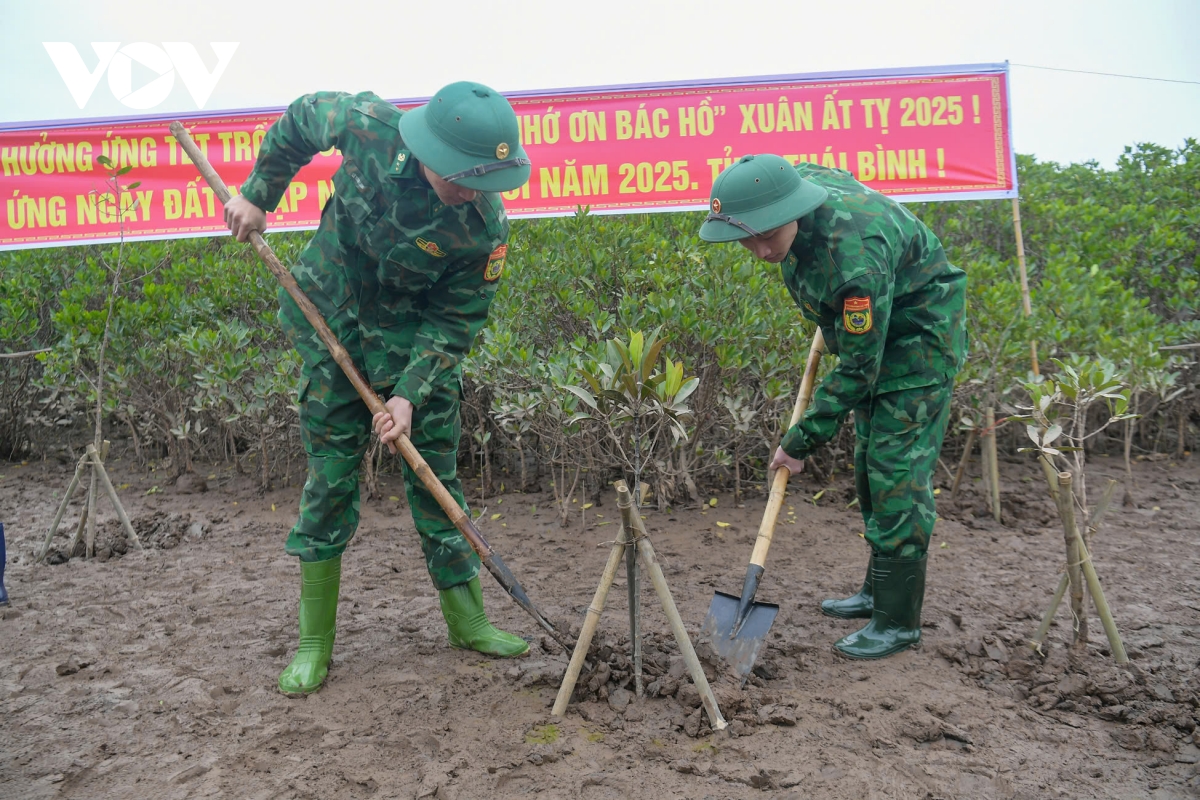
(633, 585)
(962, 464)
(591, 620)
(1026, 305)
(1102, 609)
(990, 452)
(90, 547)
(1066, 511)
(62, 507)
(664, 595)
(98, 466)
(1093, 525)
(1039, 636)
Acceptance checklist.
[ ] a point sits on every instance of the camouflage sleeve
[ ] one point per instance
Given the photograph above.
(309, 126)
(457, 307)
(866, 303)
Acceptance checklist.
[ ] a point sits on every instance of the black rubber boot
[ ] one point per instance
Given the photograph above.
(855, 606)
(895, 625)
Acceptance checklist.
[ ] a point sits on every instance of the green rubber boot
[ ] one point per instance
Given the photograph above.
(895, 624)
(462, 606)
(319, 583)
(855, 606)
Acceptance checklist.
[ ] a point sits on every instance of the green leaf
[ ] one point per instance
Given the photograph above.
(583, 395)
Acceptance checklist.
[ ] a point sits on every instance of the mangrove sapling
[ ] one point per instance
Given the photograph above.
(636, 408)
(1060, 410)
(119, 203)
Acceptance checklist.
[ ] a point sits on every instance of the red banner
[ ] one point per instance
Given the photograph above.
(933, 134)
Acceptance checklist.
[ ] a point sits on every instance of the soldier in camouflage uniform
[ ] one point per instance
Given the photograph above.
(892, 308)
(403, 267)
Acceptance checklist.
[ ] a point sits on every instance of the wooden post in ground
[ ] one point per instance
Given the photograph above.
(634, 585)
(991, 457)
(634, 533)
(1026, 305)
(690, 659)
(591, 620)
(1066, 512)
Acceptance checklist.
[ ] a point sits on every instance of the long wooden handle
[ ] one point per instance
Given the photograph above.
(406, 448)
(766, 530)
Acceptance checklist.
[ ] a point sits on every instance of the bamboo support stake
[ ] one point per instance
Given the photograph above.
(962, 464)
(1026, 305)
(591, 620)
(633, 581)
(990, 453)
(1066, 511)
(62, 507)
(1102, 609)
(90, 547)
(664, 595)
(1039, 636)
(98, 466)
(1093, 526)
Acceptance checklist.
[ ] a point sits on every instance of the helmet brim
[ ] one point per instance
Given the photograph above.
(446, 160)
(805, 199)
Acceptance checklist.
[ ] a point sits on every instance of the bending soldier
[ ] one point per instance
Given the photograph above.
(403, 267)
(892, 308)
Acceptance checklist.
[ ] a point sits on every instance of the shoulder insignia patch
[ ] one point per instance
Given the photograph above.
(495, 264)
(856, 314)
(431, 247)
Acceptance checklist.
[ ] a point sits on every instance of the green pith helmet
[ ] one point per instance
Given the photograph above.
(468, 135)
(756, 194)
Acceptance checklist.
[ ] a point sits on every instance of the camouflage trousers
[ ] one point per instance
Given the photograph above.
(335, 429)
(898, 440)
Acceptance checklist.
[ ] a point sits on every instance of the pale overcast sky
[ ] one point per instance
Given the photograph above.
(400, 49)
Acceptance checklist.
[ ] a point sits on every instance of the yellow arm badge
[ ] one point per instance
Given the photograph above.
(856, 314)
(495, 264)
(433, 248)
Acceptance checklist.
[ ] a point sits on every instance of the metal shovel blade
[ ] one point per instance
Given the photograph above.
(738, 644)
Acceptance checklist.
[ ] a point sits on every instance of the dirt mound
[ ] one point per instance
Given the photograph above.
(160, 530)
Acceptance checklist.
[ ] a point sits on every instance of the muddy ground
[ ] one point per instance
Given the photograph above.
(151, 674)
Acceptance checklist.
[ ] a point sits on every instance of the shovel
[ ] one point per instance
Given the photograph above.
(737, 626)
(489, 557)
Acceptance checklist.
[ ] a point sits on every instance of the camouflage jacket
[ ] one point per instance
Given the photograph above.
(889, 304)
(420, 274)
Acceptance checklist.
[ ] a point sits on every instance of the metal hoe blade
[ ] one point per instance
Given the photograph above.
(738, 644)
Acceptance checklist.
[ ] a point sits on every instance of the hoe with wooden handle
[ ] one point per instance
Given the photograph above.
(489, 557)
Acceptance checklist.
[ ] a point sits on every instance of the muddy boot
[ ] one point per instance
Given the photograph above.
(856, 605)
(319, 583)
(462, 606)
(3, 560)
(896, 621)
